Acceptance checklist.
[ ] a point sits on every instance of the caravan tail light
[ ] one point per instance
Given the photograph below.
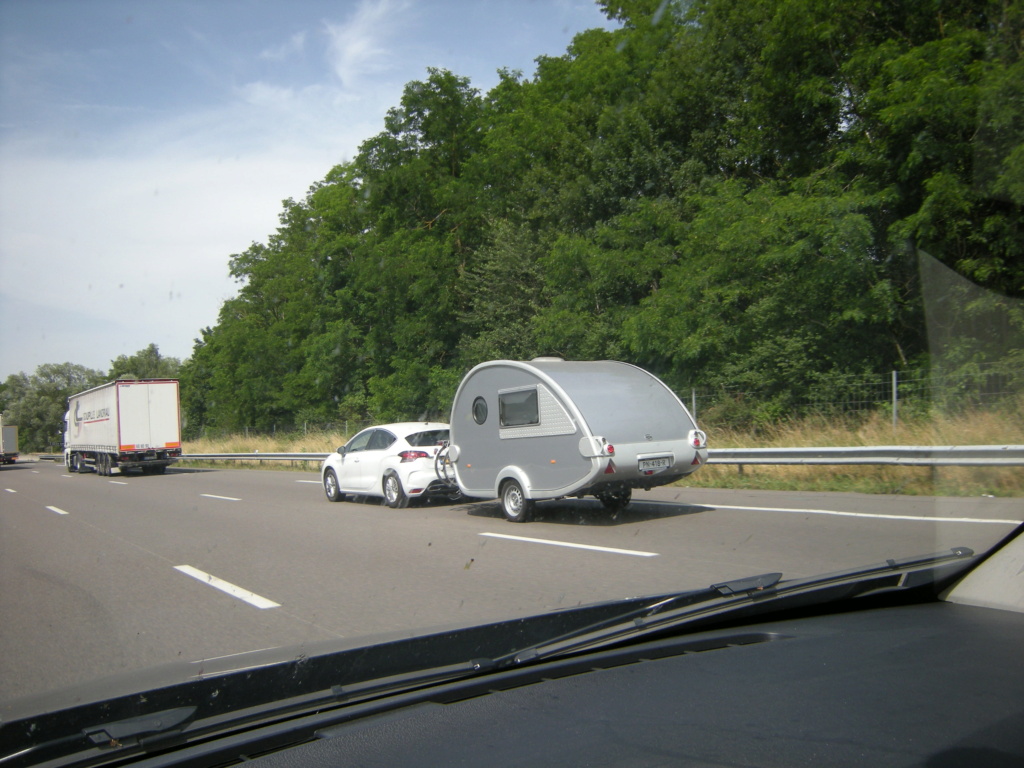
(412, 455)
(610, 450)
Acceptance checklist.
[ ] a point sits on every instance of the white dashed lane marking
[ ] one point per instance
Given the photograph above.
(570, 545)
(225, 586)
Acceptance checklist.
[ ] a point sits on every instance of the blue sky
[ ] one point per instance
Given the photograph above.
(142, 143)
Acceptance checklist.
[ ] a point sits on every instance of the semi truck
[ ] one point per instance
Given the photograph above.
(122, 425)
(8, 443)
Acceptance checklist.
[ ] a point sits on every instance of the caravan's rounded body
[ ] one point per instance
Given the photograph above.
(558, 428)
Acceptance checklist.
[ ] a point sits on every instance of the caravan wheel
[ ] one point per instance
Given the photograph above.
(515, 505)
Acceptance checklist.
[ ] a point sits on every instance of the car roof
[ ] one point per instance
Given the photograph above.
(410, 427)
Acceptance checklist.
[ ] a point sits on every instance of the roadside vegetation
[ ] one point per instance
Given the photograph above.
(1004, 426)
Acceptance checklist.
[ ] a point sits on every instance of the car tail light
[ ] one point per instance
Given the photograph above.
(412, 455)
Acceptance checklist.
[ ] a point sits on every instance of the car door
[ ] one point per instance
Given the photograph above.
(371, 459)
(350, 465)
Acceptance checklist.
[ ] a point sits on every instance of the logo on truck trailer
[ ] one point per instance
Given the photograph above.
(100, 414)
(89, 417)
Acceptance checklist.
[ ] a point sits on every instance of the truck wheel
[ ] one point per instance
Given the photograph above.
(101, 465)
(331, 488)
(515, 505)
(394, 494)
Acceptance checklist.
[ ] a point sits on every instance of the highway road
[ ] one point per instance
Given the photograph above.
(103, 575)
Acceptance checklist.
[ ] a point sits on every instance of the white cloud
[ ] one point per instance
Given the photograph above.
(360, 47)
(293, 46)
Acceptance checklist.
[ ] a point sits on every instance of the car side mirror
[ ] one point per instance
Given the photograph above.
(341, 450)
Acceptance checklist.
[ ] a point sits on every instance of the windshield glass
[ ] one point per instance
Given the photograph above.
(299, 226)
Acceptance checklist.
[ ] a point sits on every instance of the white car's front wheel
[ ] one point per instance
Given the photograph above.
(331, 488)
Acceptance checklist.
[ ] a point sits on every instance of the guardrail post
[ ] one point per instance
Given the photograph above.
(895, 399)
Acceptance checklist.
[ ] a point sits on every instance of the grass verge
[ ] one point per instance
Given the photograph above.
(995, 427)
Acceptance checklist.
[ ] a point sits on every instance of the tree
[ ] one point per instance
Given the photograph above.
(728, 192)
(37, 403)
(147, 363)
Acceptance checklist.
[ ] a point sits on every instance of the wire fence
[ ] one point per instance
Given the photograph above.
(895, 393)
(898, 394)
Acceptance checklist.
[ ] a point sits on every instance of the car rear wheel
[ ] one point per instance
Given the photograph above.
(331, 488)
(515, 505)
(394, 494)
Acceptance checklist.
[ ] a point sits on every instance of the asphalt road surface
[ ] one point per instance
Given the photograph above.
(100, 576)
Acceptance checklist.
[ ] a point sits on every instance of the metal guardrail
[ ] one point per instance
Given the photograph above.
(256, 456)
(905, 455)
(910, 456)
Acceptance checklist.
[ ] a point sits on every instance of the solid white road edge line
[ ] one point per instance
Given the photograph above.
(914, 518)
(613, 550)
(225, 586)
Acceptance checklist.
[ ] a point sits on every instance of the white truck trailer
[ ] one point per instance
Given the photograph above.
(125, 424)
(8, 443)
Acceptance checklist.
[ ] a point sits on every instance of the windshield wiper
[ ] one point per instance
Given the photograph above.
(673, 611)
(144, 731)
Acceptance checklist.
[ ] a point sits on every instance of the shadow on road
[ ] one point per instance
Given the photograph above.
(18, 466)
(592, 512)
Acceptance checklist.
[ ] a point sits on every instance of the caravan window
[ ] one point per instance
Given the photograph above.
(517, 409)
(479, 410)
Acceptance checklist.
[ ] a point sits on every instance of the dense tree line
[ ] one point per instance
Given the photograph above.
(727, 192)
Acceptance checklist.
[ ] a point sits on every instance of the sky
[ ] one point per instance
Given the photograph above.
(144, 142)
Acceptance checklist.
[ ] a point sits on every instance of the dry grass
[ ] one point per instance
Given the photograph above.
(313, 442)
(1003, 427)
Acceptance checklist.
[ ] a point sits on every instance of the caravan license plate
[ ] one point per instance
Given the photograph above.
(651, 466)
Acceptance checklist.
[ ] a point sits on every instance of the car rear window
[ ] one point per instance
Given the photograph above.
(430, 437)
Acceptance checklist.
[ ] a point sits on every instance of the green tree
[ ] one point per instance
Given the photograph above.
(147, 363)
(37, 403)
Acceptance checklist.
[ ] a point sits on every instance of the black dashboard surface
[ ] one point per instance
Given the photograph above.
(933, 685)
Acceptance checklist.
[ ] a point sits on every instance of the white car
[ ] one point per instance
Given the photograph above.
(395, 461)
